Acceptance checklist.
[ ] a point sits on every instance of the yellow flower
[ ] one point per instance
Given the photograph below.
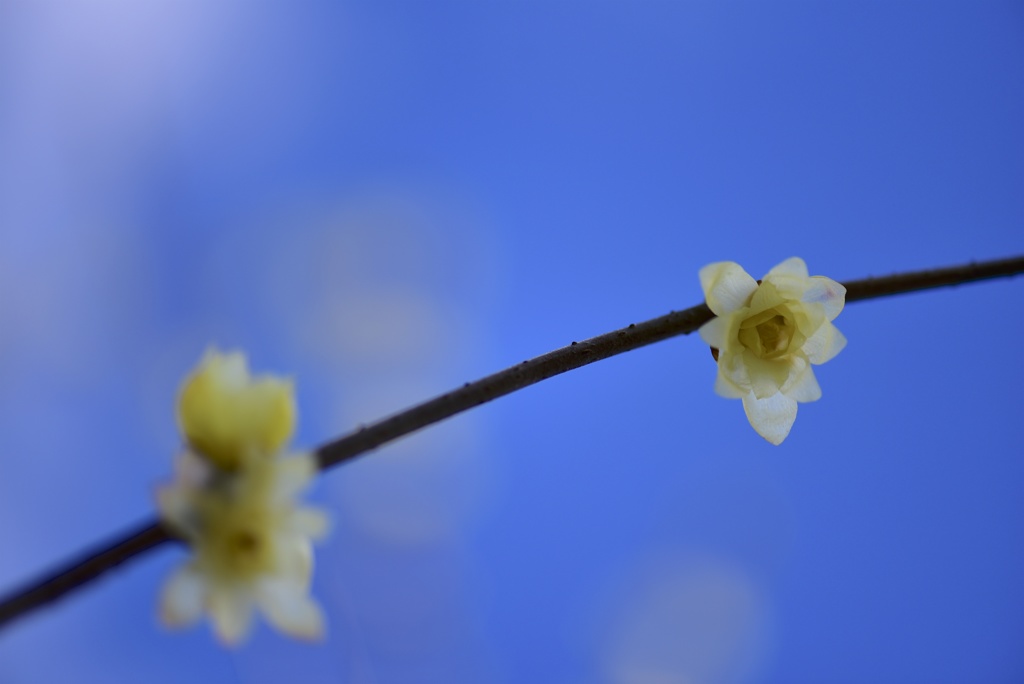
(768, 335)
(252, 546)
(228, 416)
(234, 501)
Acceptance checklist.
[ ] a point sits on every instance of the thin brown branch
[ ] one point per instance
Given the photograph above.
(88, 567)
(900, 283)
(94, 563)
(625, 339)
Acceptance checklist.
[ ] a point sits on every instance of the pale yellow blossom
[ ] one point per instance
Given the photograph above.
(251, 544)
(233, 501)
(768, 335)
(228, 416)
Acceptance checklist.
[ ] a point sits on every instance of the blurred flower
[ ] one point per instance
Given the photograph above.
(229, 416)
(250, 539)
(766, 336)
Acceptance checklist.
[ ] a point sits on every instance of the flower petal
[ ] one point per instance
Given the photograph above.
(824, 344)
(295, 559)
(731, 364)
(308, 522)
(793, 266)
(174, 505)
(191, 470)
(725, 388)
(225, 413)
(231, 611)
(288, 608)
(716, 331)
(181, 602)
(292, 475)
(803, 386)
(772, 416)
(727, 287)
(808, 317)
(828, 293)
(767, 296)
(766, 377)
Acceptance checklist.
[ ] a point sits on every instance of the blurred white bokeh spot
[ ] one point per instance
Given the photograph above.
(354, 265)
(380, 292)
(688, 619)
(382, 328)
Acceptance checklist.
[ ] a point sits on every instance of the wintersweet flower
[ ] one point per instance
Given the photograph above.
(228, 416)
(767, 335)
(251, 545)
(234, 501)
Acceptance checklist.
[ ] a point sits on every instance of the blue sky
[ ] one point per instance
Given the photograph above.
(388, 199)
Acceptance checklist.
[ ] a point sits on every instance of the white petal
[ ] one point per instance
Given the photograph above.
(231, 611)
(171, 502)
(824, 344)
(804, 386)
(191, 470)
(181, 602)
(793, 266)
(766, 377)
(808, 316)
(773, 293)
(731, 364)
(725, 388)
(727, 287)
(177, 508)
(295, 559)
(308, 522)
(772, 417)
(828, 293)
(716, 331)
(292, 475)
(288, 608)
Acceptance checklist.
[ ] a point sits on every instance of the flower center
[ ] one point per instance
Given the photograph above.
(240, 549)
(768, 335)
(245, 543)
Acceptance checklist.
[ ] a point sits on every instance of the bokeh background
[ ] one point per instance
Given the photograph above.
(387, 199)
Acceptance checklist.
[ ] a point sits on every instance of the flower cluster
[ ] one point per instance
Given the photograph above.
(233, 501)
(766, 336)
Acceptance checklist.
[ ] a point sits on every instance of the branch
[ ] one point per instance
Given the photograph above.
(92, 564)
(869, 288)
(82, 570)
